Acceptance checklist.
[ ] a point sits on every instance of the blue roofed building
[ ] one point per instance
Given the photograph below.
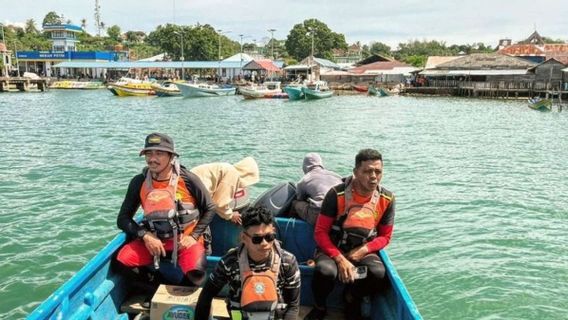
(64, 39)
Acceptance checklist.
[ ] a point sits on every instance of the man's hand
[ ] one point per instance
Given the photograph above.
(236, 218)
(358, 253)
(154, 245)
(186, 241)
(345, 269)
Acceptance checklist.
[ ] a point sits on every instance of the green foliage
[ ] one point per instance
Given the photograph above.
(417, 52)
(52, 18)
(201, 42)
(552, 41)
(299, 41)
(114, 33)
(142, 51)
(380, 49)
(30, 26)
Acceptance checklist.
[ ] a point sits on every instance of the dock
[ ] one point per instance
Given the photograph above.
(22, 84)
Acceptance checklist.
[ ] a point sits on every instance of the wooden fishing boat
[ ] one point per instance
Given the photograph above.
(193, 90)
(98, 292)
(79, 85)
(374, 91)
(360, 88)
(166, 89)
(318, 90)
(294, 92)
(540, 104)
(268, 90)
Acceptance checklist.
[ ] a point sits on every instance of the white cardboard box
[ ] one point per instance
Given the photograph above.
(174, 303)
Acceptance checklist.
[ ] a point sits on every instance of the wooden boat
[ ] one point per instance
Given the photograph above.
(192, 90)
(373, 91)
(81, 85)
(540, 104)
(319, 90)
(268, 90)
(294, 92)
(166, 89)
(360, 88)
(97, 292)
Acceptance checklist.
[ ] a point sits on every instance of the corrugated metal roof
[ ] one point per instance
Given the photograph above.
(326, 63)
(491, 61)
(473, 72)
(151, 64)
(297, 67)
(261, 64)
(379, 67)
(434, 61)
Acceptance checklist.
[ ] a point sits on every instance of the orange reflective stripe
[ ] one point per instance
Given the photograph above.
(360, 217)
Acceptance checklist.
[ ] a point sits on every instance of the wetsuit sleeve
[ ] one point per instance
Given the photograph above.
(384, 229)
(291, 288)
(213, 286)
(125, 220)
(324, 222)
(203, 201)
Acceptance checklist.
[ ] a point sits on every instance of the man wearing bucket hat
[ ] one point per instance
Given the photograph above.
(227, 183)
(177, 211)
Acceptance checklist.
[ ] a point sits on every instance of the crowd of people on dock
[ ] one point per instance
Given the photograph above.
(352, 218)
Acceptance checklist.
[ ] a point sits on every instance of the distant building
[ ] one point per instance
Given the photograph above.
(349, 57)
(535, 50)
(64, 39)
(310, 68)
(6, 60)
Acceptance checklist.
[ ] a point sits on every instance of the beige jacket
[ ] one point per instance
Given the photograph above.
(223, 179)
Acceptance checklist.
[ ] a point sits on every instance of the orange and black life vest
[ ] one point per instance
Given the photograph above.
(356, 222)
(259, 291)
(166, 211)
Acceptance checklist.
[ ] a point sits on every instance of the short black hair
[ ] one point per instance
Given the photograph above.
(367, 154)
(255, 216)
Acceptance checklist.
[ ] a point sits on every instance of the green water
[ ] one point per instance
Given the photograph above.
(481, 227)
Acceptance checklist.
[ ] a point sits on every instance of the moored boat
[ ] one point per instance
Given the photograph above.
(191, 90)
(540, 104)
(360, 88)
(268, 90)
(374, 91)
(294, 92)
(318, 90)
(166, 89)
(99, 292)
(132, 89)
(82, 85)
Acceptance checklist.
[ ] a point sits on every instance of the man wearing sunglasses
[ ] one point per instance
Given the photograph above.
(263, 279)
(356, 221)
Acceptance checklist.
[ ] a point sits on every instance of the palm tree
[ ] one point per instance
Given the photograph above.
(30, 26)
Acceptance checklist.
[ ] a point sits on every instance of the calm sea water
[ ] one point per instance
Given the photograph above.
(481, 230)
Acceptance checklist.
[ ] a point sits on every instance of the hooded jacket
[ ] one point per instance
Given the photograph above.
(316, 182)
(223, 179)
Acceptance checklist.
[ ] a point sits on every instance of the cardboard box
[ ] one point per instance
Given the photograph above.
(174, 303)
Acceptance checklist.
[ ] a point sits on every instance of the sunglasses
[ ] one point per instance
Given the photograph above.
(269, 237)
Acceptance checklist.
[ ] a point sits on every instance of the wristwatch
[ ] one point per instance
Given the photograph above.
(140, 233)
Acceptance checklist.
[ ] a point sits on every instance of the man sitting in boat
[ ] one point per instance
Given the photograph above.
(313, 186)
(263, 279)
(177, 211)
(227, 184)
(356, 221)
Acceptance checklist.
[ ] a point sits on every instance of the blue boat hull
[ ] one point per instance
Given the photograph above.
(96, 292)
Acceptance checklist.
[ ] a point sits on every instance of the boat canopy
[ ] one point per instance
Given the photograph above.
(150, 64)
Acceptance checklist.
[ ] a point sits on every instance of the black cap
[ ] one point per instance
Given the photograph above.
(159, 141)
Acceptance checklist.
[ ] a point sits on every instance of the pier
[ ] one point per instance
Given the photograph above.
(22, 84)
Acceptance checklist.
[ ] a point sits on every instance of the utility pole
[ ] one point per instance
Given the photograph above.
(272, 40)
(98, 17)
(182, 58)
(16, 55)
(220, 32)
(241, 68)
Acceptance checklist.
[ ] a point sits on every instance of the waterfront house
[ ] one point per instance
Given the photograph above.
(64, 39)
(310, 65)
(535, 49)
(262, 69)
(548, 74)
(5, 60)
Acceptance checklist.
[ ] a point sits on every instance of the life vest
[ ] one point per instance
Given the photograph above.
(259, 291)
(164, 214)
(356, 223)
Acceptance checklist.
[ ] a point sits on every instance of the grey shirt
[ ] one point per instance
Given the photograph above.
(315, 184)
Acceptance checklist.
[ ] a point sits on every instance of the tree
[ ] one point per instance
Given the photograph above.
(83, 24)
(299, 41)
(380, 49)
(52, 18)
(30, 26)
(114, 33)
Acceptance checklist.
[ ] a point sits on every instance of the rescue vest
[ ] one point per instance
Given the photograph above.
(259, 291)
(356, 223)
(164, 214)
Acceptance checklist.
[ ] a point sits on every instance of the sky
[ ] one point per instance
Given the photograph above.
(390, 22)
